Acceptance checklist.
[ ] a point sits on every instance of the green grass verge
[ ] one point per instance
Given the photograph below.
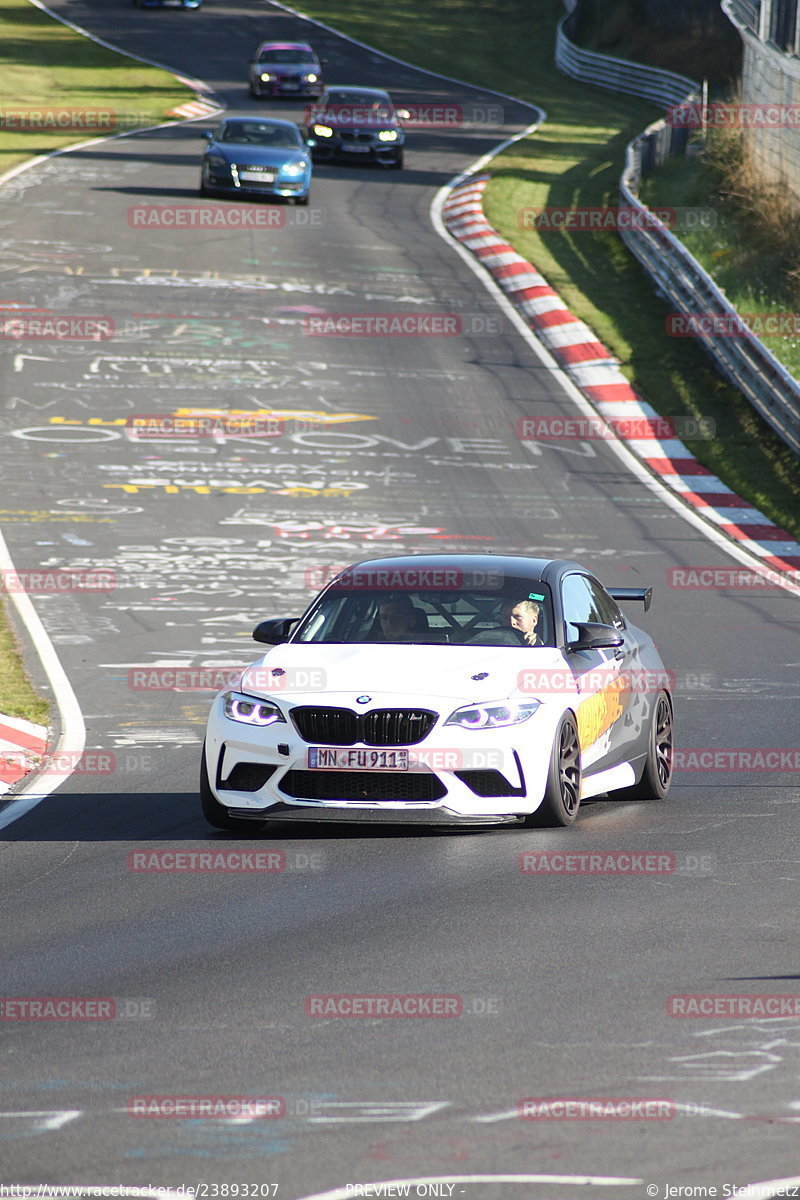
(576, 159)
(17, 697)
(741, 254)
(45, 65)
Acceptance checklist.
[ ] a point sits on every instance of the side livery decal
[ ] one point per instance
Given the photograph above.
(598, 712)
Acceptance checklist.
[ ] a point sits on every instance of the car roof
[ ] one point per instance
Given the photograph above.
(549, 570)
(285, 46)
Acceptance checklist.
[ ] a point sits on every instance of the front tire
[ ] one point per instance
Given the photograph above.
(214, 812)
(658, 765)
(562, 793)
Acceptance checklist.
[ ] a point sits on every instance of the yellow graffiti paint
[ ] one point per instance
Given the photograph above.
(311, 416)
(281, 414)
(202, 489)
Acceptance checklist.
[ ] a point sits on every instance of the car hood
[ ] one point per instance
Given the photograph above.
(411, 670)
(363, 126)
(261, 156)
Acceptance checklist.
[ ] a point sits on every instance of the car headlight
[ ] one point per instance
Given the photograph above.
(294, 169)
(249, 710)
(322, 130)
(387, 135)
(215, 160)
(265, 78)
(311, 78)
(492, 716)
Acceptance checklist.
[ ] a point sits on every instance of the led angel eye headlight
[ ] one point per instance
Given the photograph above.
(493, 716)
(249, 710)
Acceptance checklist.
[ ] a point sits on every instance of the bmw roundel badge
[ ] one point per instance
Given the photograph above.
(363, 699)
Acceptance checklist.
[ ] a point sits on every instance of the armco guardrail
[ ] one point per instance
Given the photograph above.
(745, 360)
(742, 358)
(744, 13)
(662, 87)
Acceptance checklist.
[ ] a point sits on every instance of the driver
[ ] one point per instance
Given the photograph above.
(524, 617)
(398, 618)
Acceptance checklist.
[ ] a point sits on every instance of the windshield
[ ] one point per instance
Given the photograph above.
(259, 133)
(358, 105)
(516, 613)
(287, 56)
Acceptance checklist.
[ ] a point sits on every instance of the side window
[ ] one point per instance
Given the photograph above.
(578, 603)
(583, 599)
(605, 605)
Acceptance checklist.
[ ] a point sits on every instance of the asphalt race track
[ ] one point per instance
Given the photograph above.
(397, 445)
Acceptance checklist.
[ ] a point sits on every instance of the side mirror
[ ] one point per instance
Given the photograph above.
(275, 631)
(402, 114)
(592, 635)
(322, 62)
(208, 134)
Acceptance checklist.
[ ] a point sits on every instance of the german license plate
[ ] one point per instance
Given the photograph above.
(291, 87)
(345, 758)
(351, 149)
(258, 176)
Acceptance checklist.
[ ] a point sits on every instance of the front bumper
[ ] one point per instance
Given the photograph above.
(454, 775)
(387, 814)
(276, 187)
(364, 151)
(280, 87)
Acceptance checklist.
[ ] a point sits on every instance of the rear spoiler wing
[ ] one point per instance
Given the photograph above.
(641, 595)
